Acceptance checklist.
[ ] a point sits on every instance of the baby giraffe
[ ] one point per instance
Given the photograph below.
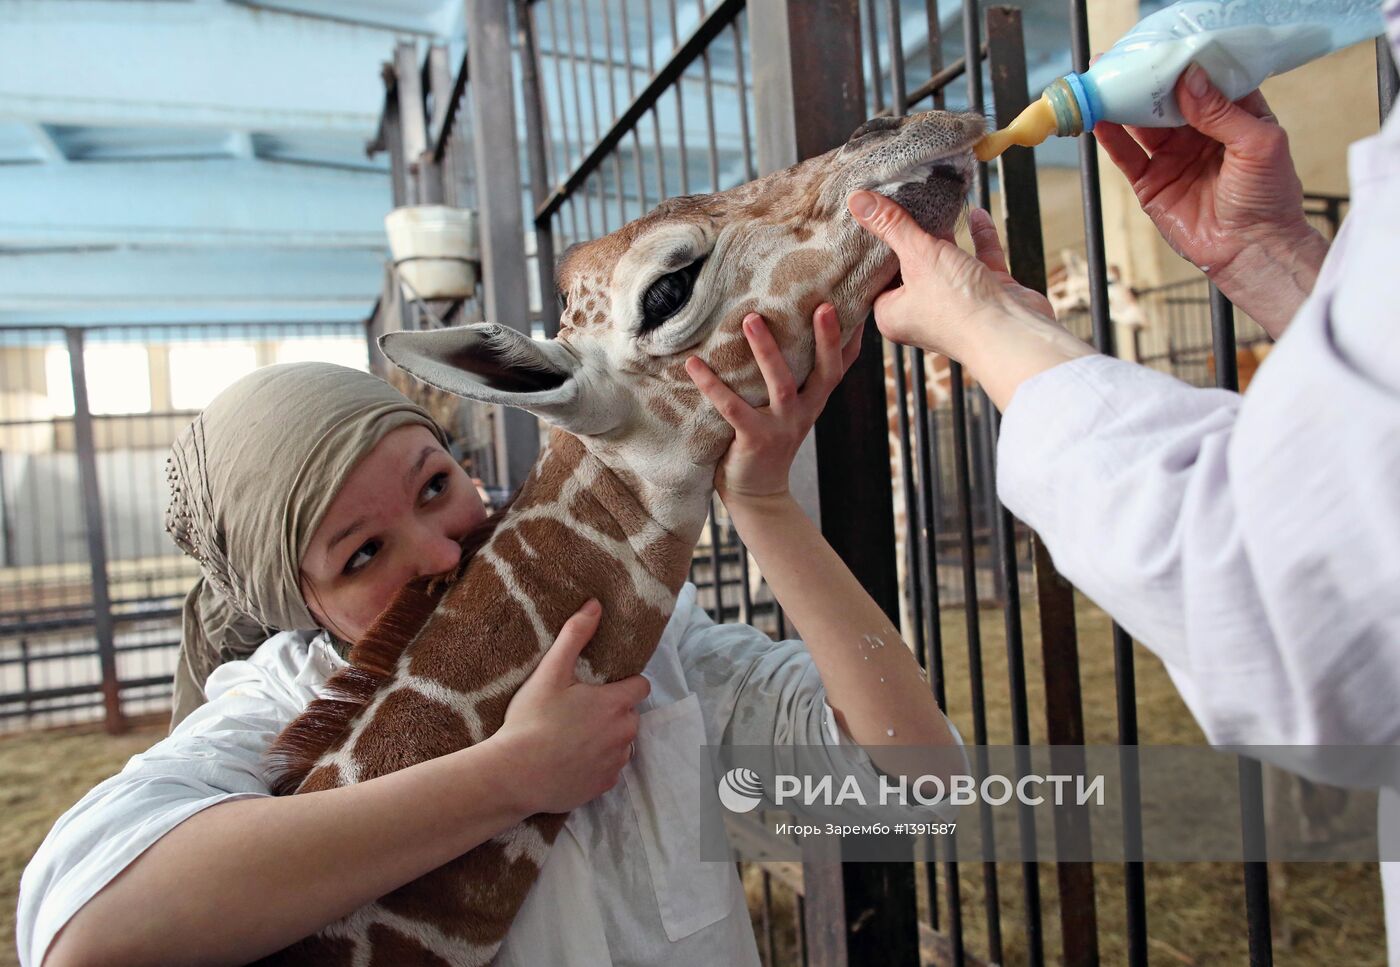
(616, 502)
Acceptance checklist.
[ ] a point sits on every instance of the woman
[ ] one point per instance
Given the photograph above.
(1252, 542)
(310, 494)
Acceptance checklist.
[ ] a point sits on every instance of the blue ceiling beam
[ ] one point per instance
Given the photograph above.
(189, 285)
(192, 203)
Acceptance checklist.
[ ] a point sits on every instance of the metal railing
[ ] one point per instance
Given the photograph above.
(91, 587)
(610, 133)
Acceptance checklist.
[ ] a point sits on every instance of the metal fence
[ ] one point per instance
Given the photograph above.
(626, 102)
(629, 103)
(1179, 316)
(90, 584)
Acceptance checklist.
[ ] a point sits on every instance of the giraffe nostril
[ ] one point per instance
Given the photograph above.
(874, 126)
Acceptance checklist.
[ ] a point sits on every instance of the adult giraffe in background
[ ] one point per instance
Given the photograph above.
(614, 505)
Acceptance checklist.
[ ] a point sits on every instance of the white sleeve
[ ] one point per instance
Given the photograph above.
(758, 692)
(1252, 542)
(213, 756)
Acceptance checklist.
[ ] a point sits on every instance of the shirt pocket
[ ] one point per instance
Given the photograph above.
(662, 785)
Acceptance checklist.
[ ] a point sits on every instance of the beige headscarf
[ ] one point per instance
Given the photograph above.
(250, 480)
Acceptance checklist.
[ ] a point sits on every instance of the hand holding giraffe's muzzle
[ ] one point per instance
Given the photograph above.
(766, 438)
(947, 297)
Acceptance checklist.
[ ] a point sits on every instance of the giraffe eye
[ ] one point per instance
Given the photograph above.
(668, 295)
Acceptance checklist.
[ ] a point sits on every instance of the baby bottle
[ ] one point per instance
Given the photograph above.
(1237, 42)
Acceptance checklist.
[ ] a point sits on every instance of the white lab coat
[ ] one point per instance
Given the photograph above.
(1252, 542)
(622, 883)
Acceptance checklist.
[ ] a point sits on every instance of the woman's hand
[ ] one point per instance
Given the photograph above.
(970, 309)
(1224, 194)
(945, 295)
(766, 439)
(573, 737)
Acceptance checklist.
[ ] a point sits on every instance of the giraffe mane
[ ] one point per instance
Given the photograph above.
(372, 661)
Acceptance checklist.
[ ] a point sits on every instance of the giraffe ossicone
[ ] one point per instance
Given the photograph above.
(616, 501)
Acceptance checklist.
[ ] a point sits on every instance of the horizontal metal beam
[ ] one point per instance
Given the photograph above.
(218, 202)
(187, 285)
(333, 11)
(691, 48)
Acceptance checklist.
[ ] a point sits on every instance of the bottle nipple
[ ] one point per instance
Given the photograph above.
(1031, 127)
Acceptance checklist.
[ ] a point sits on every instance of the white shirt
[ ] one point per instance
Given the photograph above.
(1252, 542)
(622, 883)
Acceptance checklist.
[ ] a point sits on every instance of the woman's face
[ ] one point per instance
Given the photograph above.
(398, 516)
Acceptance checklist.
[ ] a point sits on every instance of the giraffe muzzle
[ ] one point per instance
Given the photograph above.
(924, 162)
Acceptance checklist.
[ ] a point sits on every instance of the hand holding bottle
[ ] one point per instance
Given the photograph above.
(1224, 194)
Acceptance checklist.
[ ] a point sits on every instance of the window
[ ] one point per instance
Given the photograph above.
(118, 378)
(200, 371)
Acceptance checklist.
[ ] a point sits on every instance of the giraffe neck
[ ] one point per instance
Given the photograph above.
(583, 528)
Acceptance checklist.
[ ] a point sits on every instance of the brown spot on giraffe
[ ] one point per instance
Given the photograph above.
(434, 727)
(796, 268)
(586, 509)
(323, 777)
(663, 409)
(389, 948)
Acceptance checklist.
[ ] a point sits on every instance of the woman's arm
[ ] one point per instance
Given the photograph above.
(873, 683)
(245, 878)
(240, 878)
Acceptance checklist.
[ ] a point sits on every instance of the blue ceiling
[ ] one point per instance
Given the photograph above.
(197, 160)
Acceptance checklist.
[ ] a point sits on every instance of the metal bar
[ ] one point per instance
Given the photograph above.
(532, 93)
(923, 607)
(506, 298)
(716, 563)
(684, 164)
(573, 71)
(627, 48)
(1256, 870)
(454, 103)
(742, 88)
(1064, 702)
(911, 497)
(745, 591)
(898, 95)
(611, 60)
(86, 454)
(962, 487)
(661, 81)
(857, 913)
(935, 86)
(617, 182)
(872, 43)
(389, 124)
(1222, 330)
(1135, 895)
(801, 906)
(588, 65)
(642, 206)
(660, 154)
(413, 121)
(710, 121)
(962, 484)
(567, 157)
(768, 939)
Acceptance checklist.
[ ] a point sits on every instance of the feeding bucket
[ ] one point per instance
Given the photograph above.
(435, 250)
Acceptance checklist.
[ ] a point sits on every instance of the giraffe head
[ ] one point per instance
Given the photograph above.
(678, 282)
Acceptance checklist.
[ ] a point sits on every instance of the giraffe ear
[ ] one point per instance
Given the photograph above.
(495, 364)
